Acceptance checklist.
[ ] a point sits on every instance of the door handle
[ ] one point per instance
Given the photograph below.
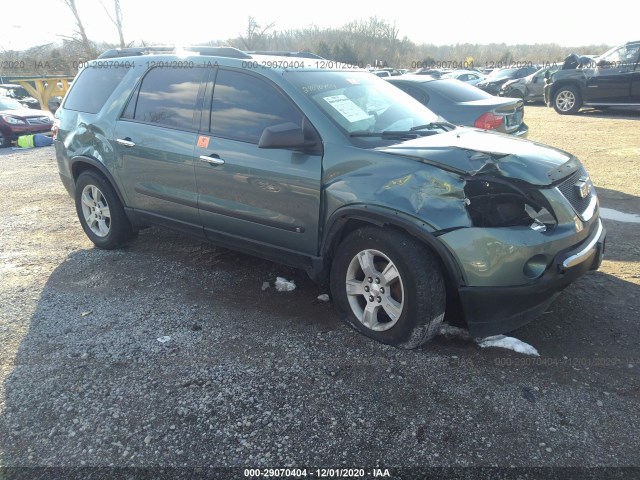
(125, 141)
(213, 159)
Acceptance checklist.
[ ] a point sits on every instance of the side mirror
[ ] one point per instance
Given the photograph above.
(534, 80)
(284, 135)
(602, 63)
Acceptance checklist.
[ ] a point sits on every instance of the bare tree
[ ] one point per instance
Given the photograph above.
(255, 34)
(86, 44)
(116, 19)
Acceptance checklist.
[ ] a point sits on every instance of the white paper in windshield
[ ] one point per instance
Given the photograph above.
(346, 108)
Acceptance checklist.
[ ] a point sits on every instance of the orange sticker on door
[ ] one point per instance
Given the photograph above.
(203, 142)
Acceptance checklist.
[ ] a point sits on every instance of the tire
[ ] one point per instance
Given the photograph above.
(567, 100)
(100, 212)
(406, 311)
(515, 94)
(5, 142)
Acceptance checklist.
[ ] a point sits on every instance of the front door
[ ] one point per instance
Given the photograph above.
(611, 82)
(270, 196)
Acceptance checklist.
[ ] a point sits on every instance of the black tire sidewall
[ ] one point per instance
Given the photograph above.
(413, 317)
(5, 141)
(120, 228)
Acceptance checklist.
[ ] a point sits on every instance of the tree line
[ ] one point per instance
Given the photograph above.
(371, 41)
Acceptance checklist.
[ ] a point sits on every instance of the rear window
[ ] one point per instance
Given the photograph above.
(457, 91)
(92, 88)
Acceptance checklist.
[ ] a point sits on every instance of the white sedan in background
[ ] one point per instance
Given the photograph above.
(469, 76)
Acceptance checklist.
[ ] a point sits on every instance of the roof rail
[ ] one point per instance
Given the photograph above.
(213, 51)
(285, 54)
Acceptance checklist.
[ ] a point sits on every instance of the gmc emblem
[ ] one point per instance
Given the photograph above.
(583, 187)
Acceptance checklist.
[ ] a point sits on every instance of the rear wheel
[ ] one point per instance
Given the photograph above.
(389, 287)
(100, 212)
(567, 100)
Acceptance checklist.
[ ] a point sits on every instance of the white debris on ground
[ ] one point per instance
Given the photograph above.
(450, 331)
(497, 341)
(510, 343)
(164, 339)
(265, 285)
(284, 285)
(323, 297)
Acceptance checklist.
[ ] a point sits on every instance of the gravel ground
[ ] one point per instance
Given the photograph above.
(253, 378)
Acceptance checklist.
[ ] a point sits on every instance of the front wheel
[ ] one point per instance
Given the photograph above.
(5, 141)
(567, 100)
(389, 287)
(515, 93)
(100, 211)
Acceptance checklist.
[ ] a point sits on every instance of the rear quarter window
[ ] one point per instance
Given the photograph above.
(92, 88)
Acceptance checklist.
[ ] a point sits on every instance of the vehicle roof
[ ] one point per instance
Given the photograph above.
(274, 60)
(416, 78)
(462, 72)
(10, 85)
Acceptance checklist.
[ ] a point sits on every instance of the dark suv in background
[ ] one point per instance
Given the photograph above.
(405, 216)
(610, 80)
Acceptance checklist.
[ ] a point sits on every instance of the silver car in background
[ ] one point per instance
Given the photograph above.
(468, 76)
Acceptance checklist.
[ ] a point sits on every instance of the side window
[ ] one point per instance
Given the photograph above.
(244, 105)
(92, 88)
(168, 96)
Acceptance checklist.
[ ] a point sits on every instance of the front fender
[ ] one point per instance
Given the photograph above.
(384, 217)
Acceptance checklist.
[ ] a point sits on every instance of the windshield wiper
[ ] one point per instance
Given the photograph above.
(397, 133)
(444, 125)
(386, 133)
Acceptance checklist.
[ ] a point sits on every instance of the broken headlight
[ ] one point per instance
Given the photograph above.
(497, 204)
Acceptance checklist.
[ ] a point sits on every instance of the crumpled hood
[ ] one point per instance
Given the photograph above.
(471, 151)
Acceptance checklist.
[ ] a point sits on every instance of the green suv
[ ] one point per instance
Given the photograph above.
(330, 169)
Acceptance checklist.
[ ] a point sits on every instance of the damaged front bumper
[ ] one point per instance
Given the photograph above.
(495, 310)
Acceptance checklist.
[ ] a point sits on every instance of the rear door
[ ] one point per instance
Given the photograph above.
(155, 142)
(263, 195)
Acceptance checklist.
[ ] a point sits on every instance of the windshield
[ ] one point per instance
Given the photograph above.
(10, 104)
(505, 72)
(360, 103)
(624, 54)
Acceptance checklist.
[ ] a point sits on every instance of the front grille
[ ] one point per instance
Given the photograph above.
(38, 121)
(568, 189)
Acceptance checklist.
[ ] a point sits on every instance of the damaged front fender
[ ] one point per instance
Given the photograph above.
(432, 196)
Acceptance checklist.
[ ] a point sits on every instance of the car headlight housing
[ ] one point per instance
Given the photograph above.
(492, 203)
(13, 120)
